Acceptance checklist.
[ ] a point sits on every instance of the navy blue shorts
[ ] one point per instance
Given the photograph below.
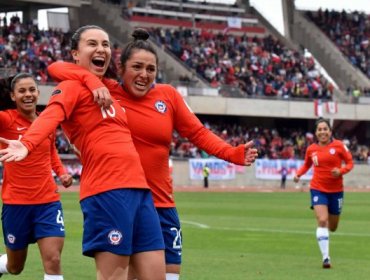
(334, 201)
(171, 230)
(25, 224)
(122, 222)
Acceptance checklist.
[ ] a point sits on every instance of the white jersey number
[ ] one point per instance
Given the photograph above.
(177, 242)
(111, 112)
(60, 220)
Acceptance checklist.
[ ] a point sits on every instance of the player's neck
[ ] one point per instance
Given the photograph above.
(31, 116)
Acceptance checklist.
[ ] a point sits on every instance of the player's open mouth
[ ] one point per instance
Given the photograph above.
(140, 85)
(98, 61)
(28, 101)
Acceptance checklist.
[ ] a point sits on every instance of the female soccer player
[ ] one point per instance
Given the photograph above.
(32, 211)
(120, 222)
(154, 111)
(326, 156)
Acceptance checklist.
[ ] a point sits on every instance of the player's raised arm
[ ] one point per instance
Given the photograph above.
(61, 71)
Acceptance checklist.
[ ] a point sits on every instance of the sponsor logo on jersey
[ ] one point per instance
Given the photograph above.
(332, 151)
(21, 128)
(160, 106)
(115, 237)
(11, 238)
(57, 91)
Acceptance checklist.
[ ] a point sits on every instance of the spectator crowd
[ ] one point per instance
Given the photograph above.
(350, 32)
(25, 48)
(259, 66)
(272, 143)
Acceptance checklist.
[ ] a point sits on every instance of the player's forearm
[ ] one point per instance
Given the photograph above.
(304, 168)
(43, 126)
(214, 145)
(61, 71)
(56, 163)
(347, 168)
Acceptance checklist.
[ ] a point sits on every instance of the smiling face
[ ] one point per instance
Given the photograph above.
(323, 133)
(25, 95)
(139, 72)
(93, 51)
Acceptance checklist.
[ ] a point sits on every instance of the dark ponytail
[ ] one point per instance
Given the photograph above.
(5, 89)
(140, 42)
(140, 34)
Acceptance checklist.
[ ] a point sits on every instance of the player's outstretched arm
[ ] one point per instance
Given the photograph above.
(15, 151)
(251, 153)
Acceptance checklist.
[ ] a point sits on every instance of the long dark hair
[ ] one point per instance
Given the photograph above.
(5, 89)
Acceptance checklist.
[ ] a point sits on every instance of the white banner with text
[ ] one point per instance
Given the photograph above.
(219, 169)
(271, 169)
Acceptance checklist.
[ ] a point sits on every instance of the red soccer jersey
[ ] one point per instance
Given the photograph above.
(29, 181)
(100, 137)
(324, 159)
(152, 119)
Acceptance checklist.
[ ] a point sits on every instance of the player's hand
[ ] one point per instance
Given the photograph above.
(66, 180)
(250, 153)
(336, 172)
(296, 179)
(15, 151)
(102, 97)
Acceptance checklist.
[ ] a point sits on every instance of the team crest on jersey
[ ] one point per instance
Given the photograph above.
(332, 151)
(57, 91)
(11, 238)
(160, 106)
(115, 237)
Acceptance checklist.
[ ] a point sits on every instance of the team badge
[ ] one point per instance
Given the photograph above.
(160, 106)
(115, 237)
(11, 238)
(332, 151)
(315, 198)
(57, 91)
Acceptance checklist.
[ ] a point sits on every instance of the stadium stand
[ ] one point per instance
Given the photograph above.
(25, 48)
(257, 66)
(350, 32)
(271, 83)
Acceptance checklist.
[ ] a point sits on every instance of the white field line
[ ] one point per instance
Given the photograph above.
(195, 224)
(204, 226)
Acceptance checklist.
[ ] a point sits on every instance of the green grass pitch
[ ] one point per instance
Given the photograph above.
(242, 236)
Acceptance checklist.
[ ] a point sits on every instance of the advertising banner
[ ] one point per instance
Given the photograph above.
(219, 169)
(270, 169)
